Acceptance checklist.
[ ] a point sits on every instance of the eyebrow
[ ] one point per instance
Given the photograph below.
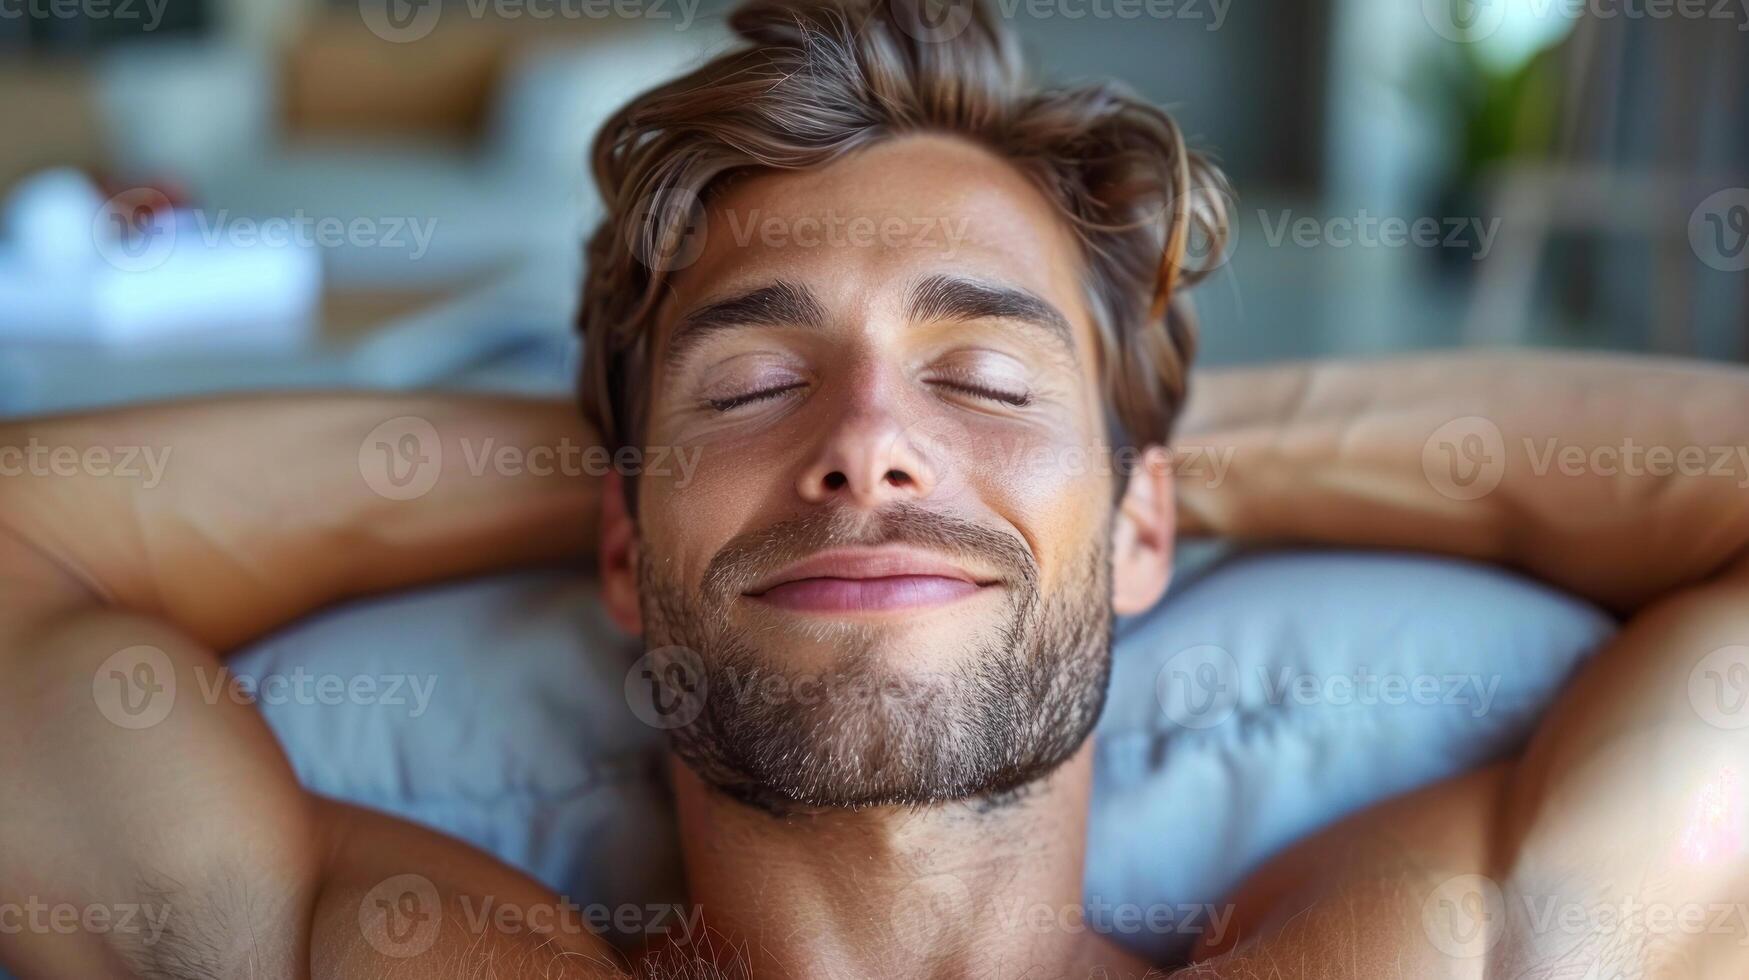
(950, 298)
(780, 304)
(936, 298)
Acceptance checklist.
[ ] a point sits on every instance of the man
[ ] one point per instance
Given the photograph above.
(881, 516)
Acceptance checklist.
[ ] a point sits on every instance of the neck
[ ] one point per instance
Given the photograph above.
(967, 889)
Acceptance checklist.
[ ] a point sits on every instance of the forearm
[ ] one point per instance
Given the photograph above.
(1618, 478)
(229, 517)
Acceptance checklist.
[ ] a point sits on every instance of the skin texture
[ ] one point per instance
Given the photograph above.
(1626, 792)
(878, 409)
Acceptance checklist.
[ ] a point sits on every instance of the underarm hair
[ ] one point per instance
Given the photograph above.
(208, 931)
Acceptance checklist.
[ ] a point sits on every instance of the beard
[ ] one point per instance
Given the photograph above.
(1015, 702)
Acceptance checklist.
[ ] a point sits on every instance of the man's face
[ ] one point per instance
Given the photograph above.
(893, 559)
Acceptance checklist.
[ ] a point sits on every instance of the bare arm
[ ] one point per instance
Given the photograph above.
(133, 794)
(1615, 845)
(230, 517)
(1620, 479)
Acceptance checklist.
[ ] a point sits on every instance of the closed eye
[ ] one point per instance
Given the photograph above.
(1014, 399)
(753, 397)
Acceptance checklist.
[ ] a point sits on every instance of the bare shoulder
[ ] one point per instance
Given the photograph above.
(1353, 900)
(399, 900)
(1616, 844)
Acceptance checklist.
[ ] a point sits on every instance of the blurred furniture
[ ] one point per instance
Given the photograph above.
(506, 333)
(481, 137)
(55, 102)
(1632, 165)
(482, 131)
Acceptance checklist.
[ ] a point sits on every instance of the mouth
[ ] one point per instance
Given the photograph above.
(861, 580)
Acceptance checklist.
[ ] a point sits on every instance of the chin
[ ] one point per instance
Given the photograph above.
(847, 715)
(811, 701)
(926, 639)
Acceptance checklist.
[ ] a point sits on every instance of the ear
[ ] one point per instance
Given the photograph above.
(1142, 535)
(618, 554)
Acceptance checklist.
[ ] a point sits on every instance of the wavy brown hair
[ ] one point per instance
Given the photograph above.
(817, 79)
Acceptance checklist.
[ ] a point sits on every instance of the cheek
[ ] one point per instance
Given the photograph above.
(687, 515)
(1055, 488)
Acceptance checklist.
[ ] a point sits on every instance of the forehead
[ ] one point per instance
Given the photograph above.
(862, 229)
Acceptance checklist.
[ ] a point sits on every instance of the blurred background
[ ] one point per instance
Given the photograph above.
(204, 195)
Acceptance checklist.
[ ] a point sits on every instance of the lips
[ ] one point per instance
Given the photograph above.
(869, 580)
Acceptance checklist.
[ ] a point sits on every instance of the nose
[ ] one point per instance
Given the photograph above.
(870, 458)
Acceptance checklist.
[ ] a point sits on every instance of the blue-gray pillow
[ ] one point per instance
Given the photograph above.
(1268, 696)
